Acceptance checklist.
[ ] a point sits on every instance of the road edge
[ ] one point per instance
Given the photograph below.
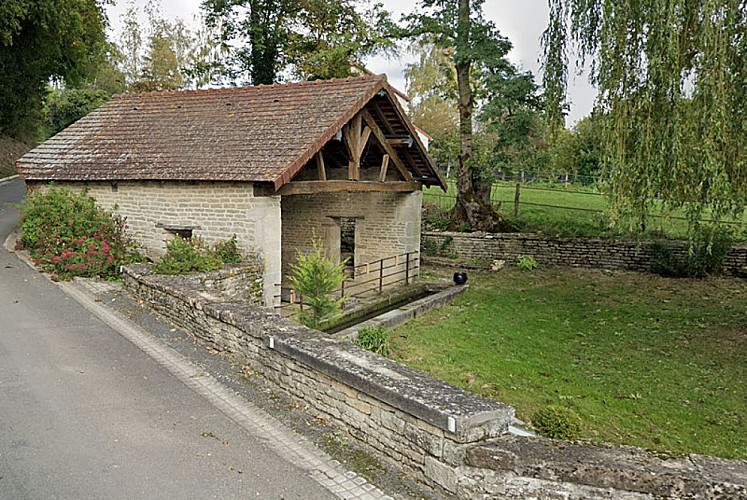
(292, 447)
(8, 179)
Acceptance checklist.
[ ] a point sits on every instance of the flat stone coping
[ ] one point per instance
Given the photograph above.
(438, 403)
(461, 413)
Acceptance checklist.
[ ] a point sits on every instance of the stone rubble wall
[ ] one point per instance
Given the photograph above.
(515, 467)
(616, 254)
(451, 439)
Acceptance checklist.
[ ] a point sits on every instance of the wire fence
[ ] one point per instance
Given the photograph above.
(512, 197)
(373, 277)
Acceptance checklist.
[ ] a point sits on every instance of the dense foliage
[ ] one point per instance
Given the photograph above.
(68, 235)
(311, 38)
(704, 257)
(557, 422)
(672, 76)
(315, 277)
(188, 255)
(66, 106)
(39, 41)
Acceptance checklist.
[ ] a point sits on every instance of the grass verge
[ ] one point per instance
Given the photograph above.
(644, 360)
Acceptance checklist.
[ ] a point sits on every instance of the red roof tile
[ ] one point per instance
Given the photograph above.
(258, 134)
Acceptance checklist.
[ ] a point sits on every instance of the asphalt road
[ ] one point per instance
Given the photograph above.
(86, 414)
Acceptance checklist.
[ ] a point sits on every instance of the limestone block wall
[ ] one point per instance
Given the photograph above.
(447, 437)
(621, 255)
(387, 224)
(213, 210)
(412, 420)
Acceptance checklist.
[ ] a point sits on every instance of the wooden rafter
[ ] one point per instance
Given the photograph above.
(381, 138)
(355, 135)
(380, 113)
(414, 164)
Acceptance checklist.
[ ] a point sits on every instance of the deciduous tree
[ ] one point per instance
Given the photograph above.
(672, 79)
(331, 38)
(312, 38)
(42, 40)
(475, 44)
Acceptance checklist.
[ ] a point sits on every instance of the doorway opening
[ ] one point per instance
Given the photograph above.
(347, 244)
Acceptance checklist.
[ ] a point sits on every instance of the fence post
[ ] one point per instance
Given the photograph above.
(407, 268)
(381, 275)
(342, 289)
(516, 199)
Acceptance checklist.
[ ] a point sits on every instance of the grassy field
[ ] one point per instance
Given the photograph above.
(571, 210)
(645, 361)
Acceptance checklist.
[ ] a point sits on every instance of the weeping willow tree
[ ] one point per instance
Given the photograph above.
(672, 77)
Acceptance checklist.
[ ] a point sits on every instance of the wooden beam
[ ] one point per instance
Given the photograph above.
(313, 187)
(376, 131)
(401, 141)
(320, 166)
(380, 113)
(384, 166)
(355, 136)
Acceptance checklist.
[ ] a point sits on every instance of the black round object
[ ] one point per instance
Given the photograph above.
(460, 278)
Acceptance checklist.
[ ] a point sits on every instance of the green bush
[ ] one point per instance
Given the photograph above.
(68, 235)
(374, 339)
(315, 277)
(557, 422)
(228, 251)
(526, 263)
(435, 217)
(704, 257)
(187, 255)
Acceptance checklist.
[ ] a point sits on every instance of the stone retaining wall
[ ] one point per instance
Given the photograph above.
(620, 255)
(449, 438)
(414, 421)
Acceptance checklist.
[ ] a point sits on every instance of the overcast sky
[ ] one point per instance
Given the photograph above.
(522, 21)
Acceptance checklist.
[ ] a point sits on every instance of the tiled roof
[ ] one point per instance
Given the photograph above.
(259, 134)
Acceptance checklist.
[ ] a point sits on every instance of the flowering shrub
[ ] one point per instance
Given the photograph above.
(68, 235)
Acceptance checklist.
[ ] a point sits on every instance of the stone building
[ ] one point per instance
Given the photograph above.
(275, 165)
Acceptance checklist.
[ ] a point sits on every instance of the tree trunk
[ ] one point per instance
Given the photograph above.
(473, 208)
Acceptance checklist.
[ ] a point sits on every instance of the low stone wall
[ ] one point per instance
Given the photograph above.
(449, 438)
(415, 421)
(615, 254)
(516, 467)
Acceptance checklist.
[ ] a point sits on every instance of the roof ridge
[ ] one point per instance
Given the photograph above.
(250, 88)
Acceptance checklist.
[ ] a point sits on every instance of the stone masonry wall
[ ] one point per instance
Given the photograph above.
(447, 437)
(621, 255)
(412, 420)
(387, 224)
(215, 211)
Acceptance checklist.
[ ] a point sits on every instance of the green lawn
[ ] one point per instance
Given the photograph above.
(568, 210)
(646, 361)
